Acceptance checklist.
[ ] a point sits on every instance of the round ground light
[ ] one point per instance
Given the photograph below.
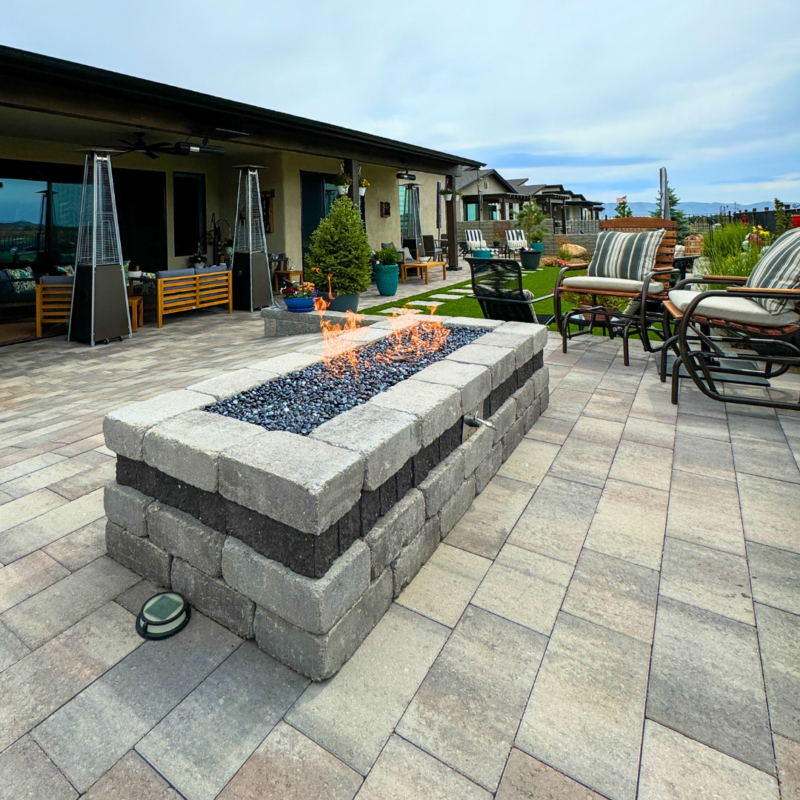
(163, 615)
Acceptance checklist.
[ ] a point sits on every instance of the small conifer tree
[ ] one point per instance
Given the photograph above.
(623, 210)
(340, 249)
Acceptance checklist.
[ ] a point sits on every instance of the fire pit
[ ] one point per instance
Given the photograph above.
(293, 500)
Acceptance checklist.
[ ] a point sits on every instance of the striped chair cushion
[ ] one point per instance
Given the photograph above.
(778, 268)
(620, 254)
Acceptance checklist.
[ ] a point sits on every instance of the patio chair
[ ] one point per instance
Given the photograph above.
(475, 240)
(516, 241)
(746, 332)
(429, 243)
(497, 286)
(633, 259)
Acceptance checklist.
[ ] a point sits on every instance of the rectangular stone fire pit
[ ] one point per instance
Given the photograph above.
(303, 541)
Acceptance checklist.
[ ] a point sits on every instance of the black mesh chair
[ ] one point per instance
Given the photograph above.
(497, 286)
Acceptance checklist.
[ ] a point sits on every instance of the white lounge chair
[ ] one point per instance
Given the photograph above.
(516, 241)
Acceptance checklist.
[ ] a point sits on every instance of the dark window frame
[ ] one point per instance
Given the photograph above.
(181, 242)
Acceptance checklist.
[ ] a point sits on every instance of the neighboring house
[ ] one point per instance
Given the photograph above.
(50, 109)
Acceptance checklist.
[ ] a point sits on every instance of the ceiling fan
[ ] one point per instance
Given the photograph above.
(140, 146)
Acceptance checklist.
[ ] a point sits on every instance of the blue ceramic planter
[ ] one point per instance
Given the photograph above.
(537, 247)
(299, 305)
(482, 253)
(386, 278)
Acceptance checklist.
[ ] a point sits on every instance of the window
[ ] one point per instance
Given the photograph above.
(493, 211)
(189, 212)
(471, 211)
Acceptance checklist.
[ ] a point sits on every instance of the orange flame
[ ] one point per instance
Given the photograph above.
(334, 339)
(413, 337)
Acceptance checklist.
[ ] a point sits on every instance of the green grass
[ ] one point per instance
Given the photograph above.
(541, 283)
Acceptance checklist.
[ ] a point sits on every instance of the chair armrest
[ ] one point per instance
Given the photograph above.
(708, 279)
(765, 292)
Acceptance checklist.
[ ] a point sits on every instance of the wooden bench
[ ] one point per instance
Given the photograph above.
(189, 292)
(53, 301)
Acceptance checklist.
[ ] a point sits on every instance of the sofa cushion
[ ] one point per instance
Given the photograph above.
(733, 309)
(174, 273)
(624, 254)
(21, 279)
(589, 283)
(778, 268)
(52, 280)
(210, 270)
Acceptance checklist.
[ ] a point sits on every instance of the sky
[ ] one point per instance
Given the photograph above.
(596, 96)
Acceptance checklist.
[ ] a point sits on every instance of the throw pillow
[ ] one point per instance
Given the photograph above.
(624, 254)
(778, 268)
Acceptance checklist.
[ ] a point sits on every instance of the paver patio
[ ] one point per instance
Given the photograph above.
(617, 615)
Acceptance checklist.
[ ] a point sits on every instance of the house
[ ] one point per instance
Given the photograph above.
(176, 172)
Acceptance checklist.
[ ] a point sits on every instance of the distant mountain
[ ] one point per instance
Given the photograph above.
(692, 209)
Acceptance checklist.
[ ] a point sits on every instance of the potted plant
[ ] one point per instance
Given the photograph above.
(387, 271)
(339, 256)
(363, 184)
(531, 218)
(449, 194)
(342, 182)
(299, 297)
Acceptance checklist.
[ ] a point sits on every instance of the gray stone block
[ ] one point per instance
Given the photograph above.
(231, 383)
(415, 554)
(297, 480)
(457, 505)
(125, 428)
(293, 327)
(522, 345)
(214, 598)
(313, 604)
(512, 439)
(532, 413)
(504, 418)
(524, 397)
(385, 438)
(536, 332)
(391, 533)
(138, 554)
(543, 400)
(476, 448)
(320, 656)
(187, 447)
(186, 538)
(472, 322)
(541, 381)
(473, 381)
(270, 328)
(127, 507)
(286, 363)
(501, 361)
(443, 482)
(487, 469)
(437, 407)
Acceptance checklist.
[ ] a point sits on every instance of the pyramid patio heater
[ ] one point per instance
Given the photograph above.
(412, 221)
(252, 282)
(99, 310)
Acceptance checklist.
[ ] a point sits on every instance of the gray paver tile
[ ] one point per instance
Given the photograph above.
(586, 710)
(48, 613)
(787, 757)
(615, 593)
(550, 429)
(779, 636)
(202, 742)
(694, 401)
(28, 465)
(770, 510)
(85, 482)
(647, 431)
(677, 768)
(492, 515)
(133, 599)
(567, 403)
(95, 729)
(468, 708)
(765, 458)
(524, 587)
(25, 771)
(53, 474)
(609, 405)
(525, 778)
(404, 772)
(26, 577)
(444, 586)
(707, 578)
(629, 523)
(601, 431)
(77, 549)
(653, 402)
(768, 430)
(585, 462)
(46, 528)
(642, 464)
(353, 714)
(38, 684)
(775, 577)
(131, 778)
(707, 457)
(693, 426)
(529, 462)
(580, 380)
(705, 512)
(705, 682)
(20, 510)
(12, 649)
(557, 519)
(289, 766)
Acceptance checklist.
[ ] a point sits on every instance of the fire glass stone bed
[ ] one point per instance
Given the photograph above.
(302, 541)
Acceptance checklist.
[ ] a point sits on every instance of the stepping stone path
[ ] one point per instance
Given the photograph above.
(445, 297)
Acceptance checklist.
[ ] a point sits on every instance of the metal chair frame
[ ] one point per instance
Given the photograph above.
(500, 302)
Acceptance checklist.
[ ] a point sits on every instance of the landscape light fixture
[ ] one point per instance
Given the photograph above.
(163, 615)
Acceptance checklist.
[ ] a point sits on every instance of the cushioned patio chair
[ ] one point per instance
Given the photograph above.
(497, 286)
(746, 332)
(516, 241)
(475, 240)
(633, 259)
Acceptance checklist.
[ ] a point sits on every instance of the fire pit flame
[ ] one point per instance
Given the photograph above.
(336, 344)
(410, 341)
